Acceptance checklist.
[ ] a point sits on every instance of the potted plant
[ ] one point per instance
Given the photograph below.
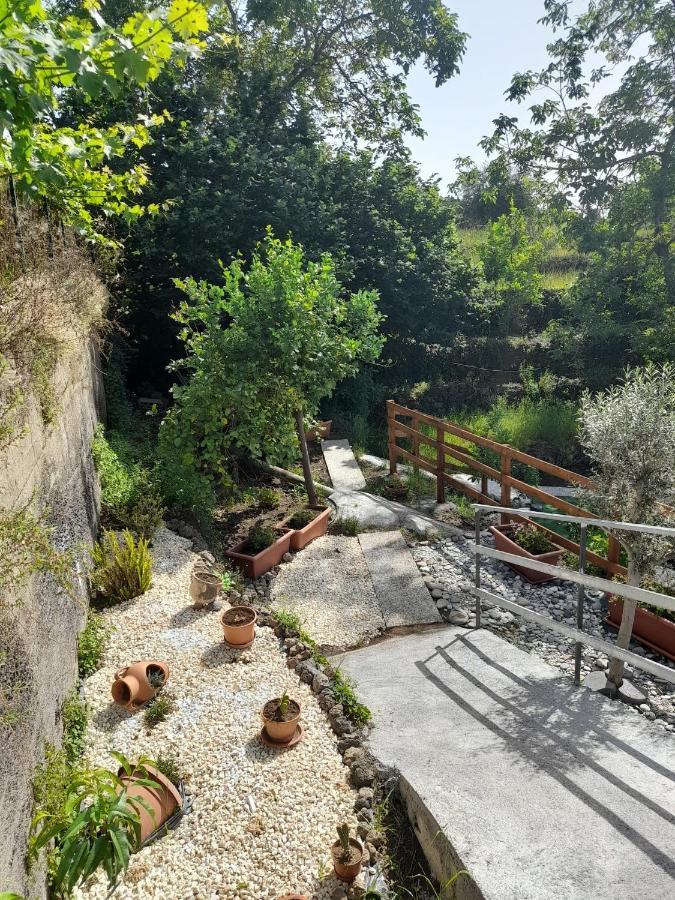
(653, 627)
(531, 543)
(281, 717)
(263, 549)
(239, 626)
(153, 793)
(320, 432)
(204, 587)
(134, 685)
(347, 855)
(307, 524)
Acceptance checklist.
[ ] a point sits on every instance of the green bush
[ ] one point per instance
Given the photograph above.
(184, 489)
(75, 716)
(268, 498)
(301, 518)
(91, 644)
(122, 566)
(532, 539)
(158, 709)
(261, 537)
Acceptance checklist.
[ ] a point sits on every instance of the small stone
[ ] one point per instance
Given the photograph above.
(319, 682)
(342, 725)
(326, 700)
(352, 754)
(436, 593)
(458, 617)
(217, 605)
(349, 741)
(207, 556)
(335, 711)
(367, 793)
(362, 773)
(287, 557)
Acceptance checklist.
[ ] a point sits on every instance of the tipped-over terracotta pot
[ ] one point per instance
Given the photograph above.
(132, 685)
(163, 798)
(239, 625)
(294, 897)
(281, 732)
(204, 587)
(347, 870)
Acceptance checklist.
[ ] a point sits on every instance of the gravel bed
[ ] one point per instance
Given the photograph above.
(262, 820)
(328, 586)
(448, 569)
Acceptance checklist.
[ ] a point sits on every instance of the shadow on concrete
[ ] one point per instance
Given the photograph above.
(538, 728)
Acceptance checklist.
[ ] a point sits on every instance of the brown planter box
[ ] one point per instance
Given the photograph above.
(504, 543)
(300, 537)
(649, 629)
(256, 565)
(320, 432)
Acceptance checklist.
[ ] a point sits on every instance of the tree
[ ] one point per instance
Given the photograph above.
(41, 56)
(263, 350)
(629, 434)
(629, 136)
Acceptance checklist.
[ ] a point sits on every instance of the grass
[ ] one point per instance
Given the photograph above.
(158, 710)
(91, 645)
(346, 525)
(75, 716)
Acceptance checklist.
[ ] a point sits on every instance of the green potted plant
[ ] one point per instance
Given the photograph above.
(306, 524)
(527, 541)
(347, 855)
(263, 549)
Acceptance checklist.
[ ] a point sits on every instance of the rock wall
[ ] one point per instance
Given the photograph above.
(50, 467)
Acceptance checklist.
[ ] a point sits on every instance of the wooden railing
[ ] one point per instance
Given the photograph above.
(447, 456)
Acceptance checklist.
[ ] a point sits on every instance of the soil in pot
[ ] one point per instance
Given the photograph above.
(239, 626)
(281, 717)
(347, 867)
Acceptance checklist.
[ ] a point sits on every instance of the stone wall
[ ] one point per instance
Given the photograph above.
(52, 467)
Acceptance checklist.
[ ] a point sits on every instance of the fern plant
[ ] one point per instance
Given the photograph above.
(122, 566)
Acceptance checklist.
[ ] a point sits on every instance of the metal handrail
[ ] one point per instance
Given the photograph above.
(580, 578)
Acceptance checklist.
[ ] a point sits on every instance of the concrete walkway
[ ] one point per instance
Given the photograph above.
(402, 595)
(345, 472)
(541, 790)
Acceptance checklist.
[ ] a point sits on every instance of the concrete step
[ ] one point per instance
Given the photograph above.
(343, 467)
(403, 597)
(539, 789)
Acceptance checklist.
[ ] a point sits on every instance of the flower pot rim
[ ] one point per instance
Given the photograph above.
(154, 775)
(336, 848)
(237, 549)
(205, 577)
(286, 721)
(241, 606)
(502, 529)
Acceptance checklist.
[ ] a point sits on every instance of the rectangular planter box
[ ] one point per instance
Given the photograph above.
(321, 432)
(504, 543)
(256, 565)
(649, 629)
(300, 537)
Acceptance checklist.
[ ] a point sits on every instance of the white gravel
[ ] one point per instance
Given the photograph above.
(262, 820)
(328, 586)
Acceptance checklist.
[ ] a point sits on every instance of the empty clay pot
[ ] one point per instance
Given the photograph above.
(280, 732)
(132, 687)
(204, 587)
(239, 625)
(163, 799)
(347, 871)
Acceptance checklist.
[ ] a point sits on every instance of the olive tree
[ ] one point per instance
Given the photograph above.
(628, 432)
(263, 350)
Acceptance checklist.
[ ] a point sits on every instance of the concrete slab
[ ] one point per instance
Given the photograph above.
(403, 596)
(541, 790)
(344, 470)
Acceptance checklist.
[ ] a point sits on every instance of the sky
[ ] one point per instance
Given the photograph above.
(504, 38)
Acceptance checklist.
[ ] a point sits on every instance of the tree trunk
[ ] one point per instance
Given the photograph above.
(306, 469)
(616, 666)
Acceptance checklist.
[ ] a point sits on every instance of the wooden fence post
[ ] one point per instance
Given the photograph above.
(440, 465)
(613, 550)
(484, 485)
(415, 423)
(506, 487)
(391, 436)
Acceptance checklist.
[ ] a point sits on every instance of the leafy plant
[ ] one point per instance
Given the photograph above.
(268, 498)
(158, 709)
(156, 677)
(343, 688)
(284, 703)
(122, 566)
(98, 824)
(229, 580)
(169, 767)
(418, 485)
(26, 549)
(301, 518)
(349, 526)
(75, 715)
(91, 644)
(531, 539)
(260, 537)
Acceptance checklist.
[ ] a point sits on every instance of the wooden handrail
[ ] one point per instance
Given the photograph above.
(507, 455)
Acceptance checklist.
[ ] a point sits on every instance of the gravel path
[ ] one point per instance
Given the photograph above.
(448, 569)
(262, 821)
(328, 586)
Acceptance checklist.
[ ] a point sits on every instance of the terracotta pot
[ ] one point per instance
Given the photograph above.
(300, 537)
(346, 871)
(294, 897)
(237, 635)
(204, 588)
(321, 432)
(649, 629)
(503, 542)
(255, 565)
(280, 732)
(132, 687)
(163, 799)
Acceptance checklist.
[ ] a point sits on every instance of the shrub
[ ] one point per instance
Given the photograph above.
(170, 768)
(532, 539)
(261, 537)
(184, 489)
(146, 515)
(343, 689)
(122, 566)
(348, 526)
(75, 716)
(301, 518)
(268, 498)
(230, 581)
(158, 709)
(50, 792)
(91, 644)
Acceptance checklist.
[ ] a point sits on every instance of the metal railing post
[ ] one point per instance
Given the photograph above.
(477, 520)
(581, 595)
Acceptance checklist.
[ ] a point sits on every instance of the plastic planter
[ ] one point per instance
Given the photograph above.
(649, 629)
(255, 565)
(504, 543)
